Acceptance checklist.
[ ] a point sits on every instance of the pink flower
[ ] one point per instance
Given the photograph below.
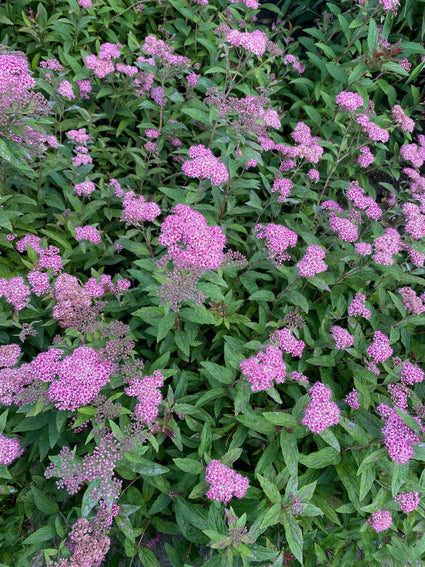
(346, 230)
(365, 158)
(357, 307)
(255, 42)
(148, 395)
(400, 118)
(205, 166)
(65, 89)
(380, 348)
(192, 80)
(225, 482)
(9, 450)
(312, 263)
(399, 438)
(408, 501)
(39, 282)
(381, 520)
(283, 186)
(9, 355)
(87, 232)
(352, 399)
(342, 337)
(86, 188)
(321, 413)
(412, 374)
(264, 368)
(349, 101)
(287, 342)
(137, 209)
(278, 239)
(411, 302)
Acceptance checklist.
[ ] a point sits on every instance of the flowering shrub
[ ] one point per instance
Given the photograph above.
(211, 283)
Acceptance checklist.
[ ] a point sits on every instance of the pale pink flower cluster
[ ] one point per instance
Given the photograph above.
(349, 101)
(390, 5)
(102, 65)
(129, 70)
(414, 153)
(50, 258)
(137, 209)
(148, 395)
(264, 369)
(407, 501)
(415, 225)
(85, 3)
(380, 349)
(299, 377)
(9, 355)
(248, 3)
(400, 118)
(357, 307)
(399, 393)
(283, 186)
(412, 303)
(255, 42)
(356, 195)
(65, 90)
(85, 188)
(192, 80)
(52, 64)
(39, 282)
(163, 52)
(366, 157)
(313, 262)
(117, 186)
(287, 342)
(399, 438)
(152, 133)
(205, 165)
(290, 59)
(418, 182)
(321, 412)
(278, 239)
(29, 240)
(380, 521)
(313, 174)
(352, 399)
(346, 230)
(363, 248)
(87, 543)
(342, 337)
(81, 138)
(225, 482)
(190, 241)
(81, 377)
(386, 246)
(87, 232)
(10, 450)
(412, 374)
(15, 292)
(308, 147)
(375, 132)
(14, 69)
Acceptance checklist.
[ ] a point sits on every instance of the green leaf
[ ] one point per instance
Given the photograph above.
(166, 323)
(329, 437)
(410, 421)
(270, 490)
(220, 373)
(294, 536)
(43, 503)
(372, 35)
(399, 476)
(189, 465)
(262, 295)
(198, 315)
(196, 114)
(271, 517)
(147, 468)
(280, 418)
(321, 459)
(147, 558)
(91, 497)
(289, 448)
(42, 534)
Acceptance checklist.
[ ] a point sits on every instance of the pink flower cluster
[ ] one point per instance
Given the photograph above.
(29, 240)
(399, 393)
(39, 282)
(264, 368)
(312, 263)
(414, 153)
(347, 231)
(163, 52)
(390, 5)
(103, 65)
(290, 59)
(380, 348)
(205, 165)
(190, 241)
(363, 248)
(342, 337)
(9, 355)
(225, 482)
(400, 118)
(255, 42)
(65, 90)
(283, 186)
(137, 209)
(411, 302)
(81, 138)
(287, 342)
(408, 501)
(380, 521)
(356, 195)
(366, 157)
(81, 377)
(352, 399)
(349, 101)
(85, 188)
(321, 412)
(15, 292)
(50, 258)
(412, 374)
(375, 132)
(415, 225)
(386, 246)
(399, 438)
(148, 395)
(278, 239)
(10, 450)
(87, 232)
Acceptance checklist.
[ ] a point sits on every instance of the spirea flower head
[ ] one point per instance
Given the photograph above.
(375, 132)
(149, 396)
(347, 231)
(400, 118)
(10, 450)
(363, 202)
(39, 282)
(15, 292)
(321, 412)
(137, 209)
(399, 438)
(412, 374)
(352, 399)
(380, 348)
(14, 69)
(29, 240)
(287, 342)
(283, 186)
(342, 337)
(386, 246)
(255, 42)
(411, 302)
(363, 248)
(65, 89)
(381, 520)
(225, 482)
(357, 307)
(9, 355)
(349, 101)
(279, 239)
(312, 263)
(190, 241)
(85, 188)
(264, 368)
(87, 232)
(81, 377)
(366, 157)
(408, 501)
(205, 165)
(50, 258)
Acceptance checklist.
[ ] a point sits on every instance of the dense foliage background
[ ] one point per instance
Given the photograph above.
(212, 221)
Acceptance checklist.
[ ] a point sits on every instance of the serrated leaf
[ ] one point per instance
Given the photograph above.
(42, 534)
(189, 465)
(320, 459)
(147, 558)
(294, 536)
(280, 418)
(270, 490)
